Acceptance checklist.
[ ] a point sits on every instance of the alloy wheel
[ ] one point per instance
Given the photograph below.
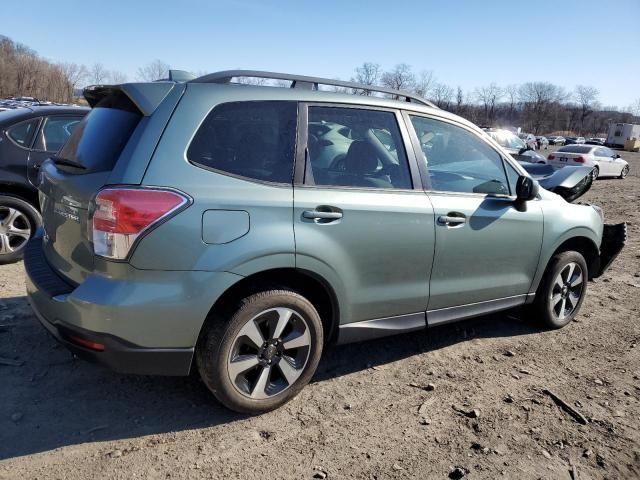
(269, 353)
(15, 230)
(625, 171)
(567, 290)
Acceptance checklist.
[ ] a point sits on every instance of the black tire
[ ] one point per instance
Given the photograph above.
(545, 307)
(215, 351)
(624, 172)
(596, 172)
(30, 218)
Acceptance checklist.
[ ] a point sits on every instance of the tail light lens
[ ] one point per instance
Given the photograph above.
(122, 215)
(551, 157)
(579, 159)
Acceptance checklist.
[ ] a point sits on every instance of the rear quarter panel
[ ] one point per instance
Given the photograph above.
(178, 244)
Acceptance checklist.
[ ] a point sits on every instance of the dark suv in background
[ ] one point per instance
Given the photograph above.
(28, 136)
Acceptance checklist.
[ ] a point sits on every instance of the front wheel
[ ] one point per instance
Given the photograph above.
(596, 172)
(264, 354)
(18, 222)
(562, 290)
(624, 172)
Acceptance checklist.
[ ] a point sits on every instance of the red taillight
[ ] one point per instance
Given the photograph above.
(122, 214)
(578, 159)
(550, 157)
(83, 342)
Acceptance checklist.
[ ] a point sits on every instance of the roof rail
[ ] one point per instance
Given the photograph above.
(308, 83)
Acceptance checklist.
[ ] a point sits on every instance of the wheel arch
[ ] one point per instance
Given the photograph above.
(308, 284)
(580, 243)
(27, 194)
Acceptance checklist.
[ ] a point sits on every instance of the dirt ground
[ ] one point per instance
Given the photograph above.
(384, 409)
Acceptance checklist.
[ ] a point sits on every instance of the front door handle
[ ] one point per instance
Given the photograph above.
(451, 221)
(320, 215)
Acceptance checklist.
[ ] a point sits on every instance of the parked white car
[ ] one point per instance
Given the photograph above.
(605, 162)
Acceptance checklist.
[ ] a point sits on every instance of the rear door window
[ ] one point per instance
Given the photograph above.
(98, 140)
(359, 148)
(255, 140)
(23, 132)
(55, 132)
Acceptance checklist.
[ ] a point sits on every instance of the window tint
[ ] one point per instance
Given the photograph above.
(23, 132)
(359, 148)
(98, 140)
(55, 132)
(575, 149)
(250, 139)
(457, 160)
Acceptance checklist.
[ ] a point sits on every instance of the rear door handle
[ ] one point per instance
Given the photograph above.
(319, 215)
(450, 220)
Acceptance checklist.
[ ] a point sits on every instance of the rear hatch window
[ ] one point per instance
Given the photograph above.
(575, 149)
(99, 139)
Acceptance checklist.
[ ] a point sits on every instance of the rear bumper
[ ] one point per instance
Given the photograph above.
(146, 322)
(614, 238)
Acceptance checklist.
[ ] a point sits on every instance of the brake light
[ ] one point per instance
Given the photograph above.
(550, 157)
(579, 159)
(121, 215)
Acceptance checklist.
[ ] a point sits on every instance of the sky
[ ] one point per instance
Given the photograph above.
(465, 43)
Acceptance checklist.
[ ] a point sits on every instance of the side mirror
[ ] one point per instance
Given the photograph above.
(616, 155)
(526, 188)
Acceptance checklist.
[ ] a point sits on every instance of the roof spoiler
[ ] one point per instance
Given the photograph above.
(145, 96)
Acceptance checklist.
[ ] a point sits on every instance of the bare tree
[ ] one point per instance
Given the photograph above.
(74, 75)
(425, 82)
(488, 97)
(153, 71)
(400, 78)
(98, 74)
(367, 74)
(511, 94)
(538, 99)
(116, 77)
(459, 101)
(587, 98)
(441, 95)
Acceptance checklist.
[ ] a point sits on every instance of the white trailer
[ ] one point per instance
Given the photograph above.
(621, 132)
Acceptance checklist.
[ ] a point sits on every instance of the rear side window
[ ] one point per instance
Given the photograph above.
(575, 149)
(98, 140)
(55, 132)
(250, 139)
(22, 133)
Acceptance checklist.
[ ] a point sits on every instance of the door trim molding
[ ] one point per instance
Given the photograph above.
(381, 327)
(442, 316)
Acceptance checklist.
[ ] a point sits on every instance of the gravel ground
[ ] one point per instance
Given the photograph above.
(459, 399)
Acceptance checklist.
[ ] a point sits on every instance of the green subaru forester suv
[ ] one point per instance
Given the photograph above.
(239, 229)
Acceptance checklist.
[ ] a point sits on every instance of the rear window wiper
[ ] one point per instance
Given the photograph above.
(63, 162)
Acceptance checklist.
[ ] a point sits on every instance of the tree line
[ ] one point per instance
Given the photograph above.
(537, 107)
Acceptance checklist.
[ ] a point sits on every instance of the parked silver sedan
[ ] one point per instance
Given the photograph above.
(605, 162)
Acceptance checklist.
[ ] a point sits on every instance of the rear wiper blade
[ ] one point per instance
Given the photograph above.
(67, 163)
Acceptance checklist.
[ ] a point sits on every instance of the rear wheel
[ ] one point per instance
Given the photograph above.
(18, 222)
(562, 290)
(624, 172)
(265, 354)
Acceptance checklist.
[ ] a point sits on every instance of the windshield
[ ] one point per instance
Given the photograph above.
(507, 139)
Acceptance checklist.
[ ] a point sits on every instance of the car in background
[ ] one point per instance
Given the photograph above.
(605, 162)
(574, 140)
(28, 136)
(596, 141)
(516, 146)
(542, 142)
(556, 140)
